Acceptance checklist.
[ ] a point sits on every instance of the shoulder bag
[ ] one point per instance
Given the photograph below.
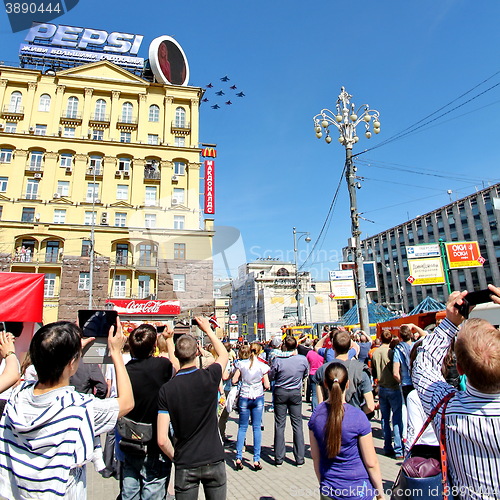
(425, 478)
(134, 436)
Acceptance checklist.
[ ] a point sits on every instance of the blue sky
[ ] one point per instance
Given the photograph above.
(290, 58)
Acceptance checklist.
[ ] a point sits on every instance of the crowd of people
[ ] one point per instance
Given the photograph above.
(163, 402)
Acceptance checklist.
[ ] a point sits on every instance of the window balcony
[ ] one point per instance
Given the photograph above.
(13, 112)
(99, 119)
(180, 128)
(34, 168)
(147, 261)
(152, 175)
(91, 172)
(123, 260)
(126, 123)
(31, 196)
(70, 118)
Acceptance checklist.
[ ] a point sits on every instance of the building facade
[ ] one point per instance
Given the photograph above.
(97, 153)
(473, 218)
(264, 298)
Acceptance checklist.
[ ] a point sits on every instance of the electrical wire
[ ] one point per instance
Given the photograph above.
(418, 125)
(332, 204)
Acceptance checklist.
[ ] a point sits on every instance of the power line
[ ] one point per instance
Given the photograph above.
(418, 125)
(332, 204)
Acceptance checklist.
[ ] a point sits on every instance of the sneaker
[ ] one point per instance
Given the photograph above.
(270, 409)
(399, 457)
(278, 464)
(299, 464)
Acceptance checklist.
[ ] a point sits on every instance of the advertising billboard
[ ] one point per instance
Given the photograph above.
(209, 187)
(427, 271)
(371, 280)
(421, 251)
(464, 254)
(168, 61)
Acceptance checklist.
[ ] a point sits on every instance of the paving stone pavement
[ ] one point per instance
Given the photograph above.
(271, 483)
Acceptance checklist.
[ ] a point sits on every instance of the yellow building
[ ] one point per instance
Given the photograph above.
(96, 146)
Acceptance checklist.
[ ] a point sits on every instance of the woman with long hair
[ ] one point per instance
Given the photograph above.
(252, 372)
(342, 449)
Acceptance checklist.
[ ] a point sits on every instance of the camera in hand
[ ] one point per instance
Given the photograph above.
(472, 299)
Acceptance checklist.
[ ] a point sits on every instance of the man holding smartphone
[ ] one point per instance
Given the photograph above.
(472, 417)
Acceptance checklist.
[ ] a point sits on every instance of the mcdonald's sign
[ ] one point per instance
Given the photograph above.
(209, 153)
(209, 187)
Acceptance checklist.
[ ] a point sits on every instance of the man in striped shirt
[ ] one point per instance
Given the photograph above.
(472, 416)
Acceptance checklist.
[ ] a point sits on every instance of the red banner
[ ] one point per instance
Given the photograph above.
(209, 187)
(21, 296)
(146, 307)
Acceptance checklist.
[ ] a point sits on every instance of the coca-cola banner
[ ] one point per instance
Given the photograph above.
(146, 307)
(209, 187)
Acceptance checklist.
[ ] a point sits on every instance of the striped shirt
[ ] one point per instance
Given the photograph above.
(472, 421)
(46, 439)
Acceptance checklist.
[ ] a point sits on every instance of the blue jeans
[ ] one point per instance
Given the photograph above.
(212, 476)
(255, 407)
(145, 478)
(392, 401)
(314, 391)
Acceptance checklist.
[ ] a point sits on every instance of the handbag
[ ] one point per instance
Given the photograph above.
(134, 436)
(425, 478)
(232, 398)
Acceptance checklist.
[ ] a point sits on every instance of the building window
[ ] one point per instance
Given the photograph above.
(179, 282)
(127, 110)
(11, 127)
(72, 108)
(122, 254)
(84, 281)
(154, 113)
(153, 139)
(16, 98)
(69, 132)
(122, 192)
(59, 216)
(49, 286)
(179, 168)
(150, 220)
(36, 158)
(179, 251)
(40, 129)
(97, 135)
(144, 286)
(120, 285)
(28, 214)
(32, 189)
(52, 251)
(179, 221)
(125, 137)
(100, 110)
(120, 219)
(1, 210)
(124, 164)
(90, 218)
(180, 117)
(5, 155)
(92, 192)
(146, 255)
(178, 197)
(85, 248)
(63, 188)
(150, 198)
(3, 184)
(66, 160)
(180, 142)
(44, 104)
(95, 164)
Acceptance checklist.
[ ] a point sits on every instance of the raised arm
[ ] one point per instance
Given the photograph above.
(124, 388)
(8, 353)
(220, 350)
(320, 343)
(168, 334)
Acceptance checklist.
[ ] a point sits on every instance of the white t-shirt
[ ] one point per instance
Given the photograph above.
(111, 375)
(251, 377)
(416, 420)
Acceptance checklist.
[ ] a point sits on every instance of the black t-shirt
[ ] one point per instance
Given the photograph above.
(302, 349)
(190, 399)
(147, 376)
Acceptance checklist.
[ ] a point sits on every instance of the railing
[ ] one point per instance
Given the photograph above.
(34, 168)
(123, 260)
(27, 256)
(94, 171)
(146, 261)
(69, 115)
(31, 196)
(151, 174)
(181, 126)
(124, 120)
(99, 117)
(17, 110)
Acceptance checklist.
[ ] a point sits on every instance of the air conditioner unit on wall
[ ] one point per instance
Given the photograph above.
(175, 201)
(118, 172)
(56, 196)
(2, 126)
(175, 178)
(38, 176)
(104, 219)
(126, 173)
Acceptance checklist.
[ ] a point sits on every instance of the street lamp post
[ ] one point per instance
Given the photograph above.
(297, 279)
(346, 119)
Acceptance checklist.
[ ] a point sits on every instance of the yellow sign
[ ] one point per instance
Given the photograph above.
(426, 271)
(343, 289)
